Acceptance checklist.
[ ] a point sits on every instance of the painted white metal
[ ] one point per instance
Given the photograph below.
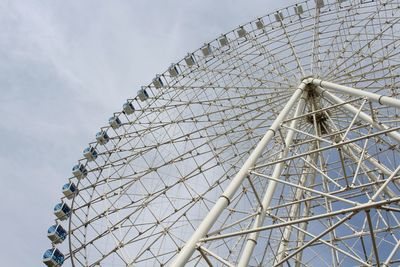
(381, 99)
(388, 180)
(348, 149)
(363, 116)
(259, 220)
(368, 119)
(329, 229)
(365, 206)
(294, 209)
(218, 258)
(391, 255)
(223, 201)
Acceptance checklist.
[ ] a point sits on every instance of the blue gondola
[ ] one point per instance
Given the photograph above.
(142, 94)
(90, 153)
(69, 190)
(53, 258)
(114, 122)
(102, 137)
(57, 234)
(79, 171)
(62, 211)
(128, 108)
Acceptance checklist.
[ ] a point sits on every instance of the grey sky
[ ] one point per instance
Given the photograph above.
(65, 67)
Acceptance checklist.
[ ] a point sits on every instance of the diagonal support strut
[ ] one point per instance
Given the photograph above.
(224, 200)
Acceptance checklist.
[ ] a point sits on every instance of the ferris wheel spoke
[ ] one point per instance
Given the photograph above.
(364, 68)
(363, 45)
(352, 255)
(356, 159)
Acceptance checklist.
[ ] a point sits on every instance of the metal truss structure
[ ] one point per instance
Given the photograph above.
(276, 144)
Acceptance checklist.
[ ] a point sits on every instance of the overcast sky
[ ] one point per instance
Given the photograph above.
(65, 66)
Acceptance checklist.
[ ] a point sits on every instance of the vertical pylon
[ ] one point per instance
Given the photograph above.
(259, 220)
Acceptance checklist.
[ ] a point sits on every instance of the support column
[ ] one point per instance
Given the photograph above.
(362, 115)
(383, 100)
(294, 209)
(368, 119)
(224, 200)
(259, 220)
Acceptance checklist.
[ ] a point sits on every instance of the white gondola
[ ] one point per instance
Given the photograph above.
(223, 41)
(157, 82)
(79, 171)
(142, 94)
(173, 70)
(114, 122)
(189, 59)
(206, 50)
(102, 137)
(57, 234)
(241, 32)
(260, 24)
(128, 108)
(69, 190)
(278, 16)
(53, 258)
(62, 211)
(90, 153)
(298, 9)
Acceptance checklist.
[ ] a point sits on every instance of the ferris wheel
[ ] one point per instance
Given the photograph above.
(276, 144)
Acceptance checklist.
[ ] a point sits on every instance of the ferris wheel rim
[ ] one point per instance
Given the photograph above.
(152, 87)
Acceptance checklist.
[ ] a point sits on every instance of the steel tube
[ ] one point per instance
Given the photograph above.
(368, 205)
(224, 200)
(259, 220)
(362, 115)
(294, 209)
(383, 100)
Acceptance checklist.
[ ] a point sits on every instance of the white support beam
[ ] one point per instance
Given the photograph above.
(367, 170)
(391, 255)
(294, 209)
(224, 200)
(362, 115)
(318, 237)
(204, 255)
(368, 119)
(358, 159)
(218, 258)
(321, 240)
(298, 186)
(374, 246)
(330, 147)
(388, 180)
(365, 206)
(383, 100)
(251, 241)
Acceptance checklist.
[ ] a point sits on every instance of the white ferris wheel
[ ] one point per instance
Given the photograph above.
(276, 144)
